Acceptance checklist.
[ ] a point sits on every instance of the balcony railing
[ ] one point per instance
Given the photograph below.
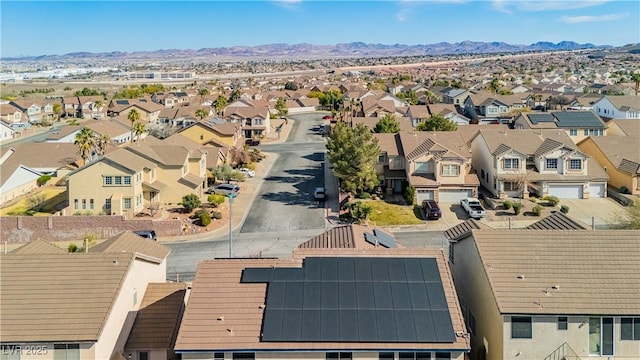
(563, 352)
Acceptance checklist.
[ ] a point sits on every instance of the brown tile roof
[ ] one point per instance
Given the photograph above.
(596, 271)
(59, 297)
(557, 221)
(625, 102)
(37, 247)
(341, 237)
(418, 143)
(525, 141)
(630, 127)
(169, 155)
(8, 109)
(463, 229)
(225, 314)
(388, 143)
(158, 318)
(29, 155)
(129, 242)
(622, 151)
(128, 160)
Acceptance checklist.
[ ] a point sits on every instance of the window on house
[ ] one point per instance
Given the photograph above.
(511, 186)
(450, 170)
(108, 180)
(338, 355)
(143, 355)
(562, 323)
(575, 164)
(91, 204)
(443, 356)
(521, 327)
(66, 352)
(218, 356)
(551, 164)
(127, 180)
(380, 159)
(107, 203)
(511, 163)
(385, 355)
(118, 180)
(241, 356)
(84, 204)
(127, 203)
(586, 132)
(75, 204)
(422, 167)
(415, 355)
(630, 328)
(573, 132)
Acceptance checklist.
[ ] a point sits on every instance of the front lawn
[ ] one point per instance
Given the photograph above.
(385, 214)
(52, 196)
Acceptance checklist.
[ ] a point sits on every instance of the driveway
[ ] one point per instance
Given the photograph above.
(600, 212)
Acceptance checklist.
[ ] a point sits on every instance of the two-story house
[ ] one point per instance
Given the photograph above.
(454, 96)
(618, 154)
(577, 124)
(513, 163)
(618, 107)
(130, 179)
(35, 110)
(486, 108)
(332, 303)
(255, 120)
(91, 107)
(436, 164)
(148, 110)
(6, 131)
(549, 294)
(59, 305)
(218, 134)
(10, 114)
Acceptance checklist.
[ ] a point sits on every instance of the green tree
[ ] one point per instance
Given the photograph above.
(85, 141)
(635, 76)
(133, 116)
(494, 86)
(281, 106)
(431, 97)
(332, 99)
(203, 92)
(202, 113)
(57, 110)
(437, 122)
(387, 124)
(223, 172)
(235, 95)
(290, 85)
(353, 153)
(190, 202)
(101, 143)
(215, 199)
(359, 211)
(139, 129)
(221, 103)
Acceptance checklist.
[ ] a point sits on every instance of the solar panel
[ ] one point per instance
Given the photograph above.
(257, 275)
(356, 299)
(371, 239)
(385, 239)
(538, 118)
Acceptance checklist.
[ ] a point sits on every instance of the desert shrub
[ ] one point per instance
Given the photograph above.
(409, 194)
(250, 166)
(215, 199)
(72, 248)
(363, 195)
(507, 204)
(43, 179)
(216, 215)
(553, 200)
(30, 212)
(564, 209)
(205, 218)
(537, 210)
(190, 202)
(517, 207)
(624, 190)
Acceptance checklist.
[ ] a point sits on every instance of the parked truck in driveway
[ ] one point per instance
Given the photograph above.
(473, 207)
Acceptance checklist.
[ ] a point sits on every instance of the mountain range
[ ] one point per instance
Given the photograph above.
(310, 51)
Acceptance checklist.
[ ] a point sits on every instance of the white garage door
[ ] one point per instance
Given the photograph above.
(566, 191)
(423, 195)
(454, 196)
(596, 190)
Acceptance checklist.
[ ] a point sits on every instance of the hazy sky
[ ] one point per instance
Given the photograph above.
(60, 27)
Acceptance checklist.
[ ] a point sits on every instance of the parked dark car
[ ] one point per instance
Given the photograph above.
(252, 142)
(431, 210)
(147, 234)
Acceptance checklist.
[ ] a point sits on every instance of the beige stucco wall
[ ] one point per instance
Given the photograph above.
(122, 315)
(616, 178)
(303, 355)
(194, 133)
(88, 184)
(175, 190)
(475, 293)
(546, 338)
(483, 160)
(17, 191)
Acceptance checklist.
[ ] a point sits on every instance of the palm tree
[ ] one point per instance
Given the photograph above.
(101, 143)
(202, 113)
(97, 106)
(138, 129)
(203, 92)
(85, 141)
(221, 103)
(636, 79)
(133, 116)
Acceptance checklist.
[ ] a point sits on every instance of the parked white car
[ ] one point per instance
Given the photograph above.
(248, 172)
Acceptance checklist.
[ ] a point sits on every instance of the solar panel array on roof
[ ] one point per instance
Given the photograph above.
(356, 300)
(582, 119)
(539, 118)
(380, 238)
